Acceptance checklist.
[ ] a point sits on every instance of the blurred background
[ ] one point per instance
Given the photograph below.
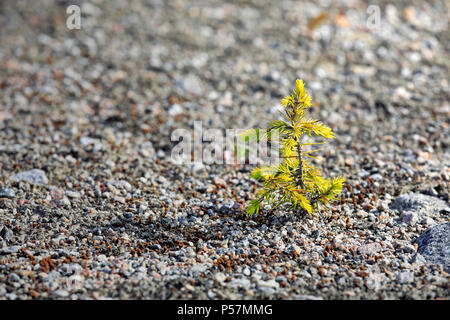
(377, 70)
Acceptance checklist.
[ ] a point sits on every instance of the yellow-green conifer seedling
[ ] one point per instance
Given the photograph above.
(295, 180)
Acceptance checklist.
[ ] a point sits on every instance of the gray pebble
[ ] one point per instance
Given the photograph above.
(34, 176)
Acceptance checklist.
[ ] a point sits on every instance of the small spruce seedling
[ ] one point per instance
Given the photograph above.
(295, 180)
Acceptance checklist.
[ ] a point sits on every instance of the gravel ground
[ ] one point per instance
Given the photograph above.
(92, 207)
